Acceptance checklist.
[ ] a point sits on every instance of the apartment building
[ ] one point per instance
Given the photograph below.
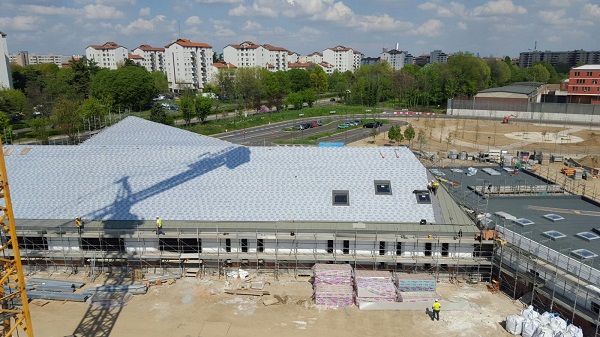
(250, 54)
(137, 59)
(24, 58)
(357, 58)
(328, 68)
(567, 58)
(394, 57)
(342, 58)
(293, 57)
(188, 64)
(584, 84)
(314, 58)
(5, 74)
(438, 56)
(108, 55)
(153, 57)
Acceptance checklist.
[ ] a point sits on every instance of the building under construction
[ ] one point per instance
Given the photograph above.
(283, 209)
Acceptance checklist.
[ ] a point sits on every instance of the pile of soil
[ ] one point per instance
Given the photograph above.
(590, 161)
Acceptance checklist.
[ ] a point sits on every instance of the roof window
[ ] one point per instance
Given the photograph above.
(340, 198)
(383, 187)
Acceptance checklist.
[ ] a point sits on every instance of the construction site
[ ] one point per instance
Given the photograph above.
(293, 240)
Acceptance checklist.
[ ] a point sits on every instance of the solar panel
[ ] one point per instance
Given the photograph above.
(457, 170)
(524, 222)
(553, 217)
(554, 235)
(584, 253)
(589, 236)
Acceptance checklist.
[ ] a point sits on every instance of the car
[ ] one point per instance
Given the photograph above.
(351, 123)
(300, 127)
(314, 124)
(332, 99)
(319, 122)
(372, 125)
(357, 121)
(308, 125)
(343, 126)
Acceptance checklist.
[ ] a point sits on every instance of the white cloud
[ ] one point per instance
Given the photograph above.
(101, 12)
(23, 23)
(461, 25)
(145, 11)
(499, 7)
(552, 17)
(254, 10)
(309, 31)
(193, 21)
(295, 8)
(220, 1)
(591, 11)
(51, 10)
(221, 29)
(452, 10)
(428, 28)
(142, 26)
(251, 25)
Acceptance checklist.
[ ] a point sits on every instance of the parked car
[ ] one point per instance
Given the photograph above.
(319, 122)
(314, 124)
(358, 121)
(343, 126)
(332, 99)
(372, 125)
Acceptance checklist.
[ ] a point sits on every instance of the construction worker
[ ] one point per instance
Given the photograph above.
(79, 225)
(436, 310)
(159, 226)
(435, 185)
(430, 186)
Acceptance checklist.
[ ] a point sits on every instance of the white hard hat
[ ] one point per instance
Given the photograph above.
(436, 300)
(157, 217)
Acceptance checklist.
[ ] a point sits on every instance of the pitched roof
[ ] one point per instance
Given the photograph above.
(299, 64)
(315, 53)
(588, 67)
(244, 45)
(273, 48)
(135, 56)
(222, 65)
(136, 169)
(188, 43)
(107, 45)
(146, 47)
(340, 48)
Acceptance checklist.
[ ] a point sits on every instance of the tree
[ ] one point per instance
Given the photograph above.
(395, 134)
(318, 80)
(499, 72)
(161, 84)
(129, 86)
(12, 103)
(472, 73)
(308, 97)
(374, 132)
(538, 73)
(158, 114)
(186, 106)
(39, 129)
(422, 139)
(248, 85)
(83, 71)
(66, 116)
(299, 79)
(92, 109)
(409, 133)
(295, 99)
(403, 82)
(202, 106)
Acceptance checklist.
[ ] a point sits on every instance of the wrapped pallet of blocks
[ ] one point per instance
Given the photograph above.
(415, 282)
(333, 285)
(374, 286)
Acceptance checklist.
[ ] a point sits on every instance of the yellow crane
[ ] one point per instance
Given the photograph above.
(14, 308)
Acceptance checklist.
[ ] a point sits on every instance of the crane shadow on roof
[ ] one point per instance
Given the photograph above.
(119, 215)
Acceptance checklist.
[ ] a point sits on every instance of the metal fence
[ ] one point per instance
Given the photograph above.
(513, 106)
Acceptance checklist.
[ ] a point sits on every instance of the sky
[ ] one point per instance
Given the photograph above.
(485, 28)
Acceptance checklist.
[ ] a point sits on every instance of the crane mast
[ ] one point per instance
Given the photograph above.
(14, 308)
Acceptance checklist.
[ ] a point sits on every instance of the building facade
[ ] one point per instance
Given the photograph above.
(109, 55)
(314, 58)
(584, 84)
(154, 58)
(5, 73)
(23, 58)
(342, 58)
(188, 64)
(567, 58)
(249, 54)
(394, 57)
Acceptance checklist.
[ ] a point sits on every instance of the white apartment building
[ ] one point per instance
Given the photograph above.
(328, 68)
(249, 54)
(314, 58)
(23, 58)
(5, 74)
(293, 57)
(188, 64)
(137, 59)
(108, 55)
(396, 58)
(357, 57)
(342, 58)
(153, 57)
(438, 56)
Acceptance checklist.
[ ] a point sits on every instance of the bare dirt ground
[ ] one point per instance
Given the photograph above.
(198, 307)
(579, 142)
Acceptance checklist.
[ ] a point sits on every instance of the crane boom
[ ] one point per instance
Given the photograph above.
(14, 308)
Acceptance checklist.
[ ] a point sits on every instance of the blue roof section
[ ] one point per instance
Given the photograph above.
(127, 173)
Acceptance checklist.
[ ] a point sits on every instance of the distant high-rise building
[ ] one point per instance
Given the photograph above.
(250, 54)
(438, 56)
(5, 74)
(188, 64)
(153, 57)
(108, 55)
(24, 58)
(342, 58)
(567, 58)
(394, 57)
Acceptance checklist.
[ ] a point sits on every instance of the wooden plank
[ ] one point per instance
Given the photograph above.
(246, 292)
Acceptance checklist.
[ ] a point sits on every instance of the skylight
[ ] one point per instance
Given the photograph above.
(554, 235)
(383, 187)
(524, 222)
(341, 198)
(553, 217)
(589, 236)
(584, 253)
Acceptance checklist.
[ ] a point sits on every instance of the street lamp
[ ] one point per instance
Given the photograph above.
(489, 137)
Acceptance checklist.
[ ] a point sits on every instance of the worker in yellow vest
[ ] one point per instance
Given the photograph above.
(159, 226)
(436, 310)
(79, 225)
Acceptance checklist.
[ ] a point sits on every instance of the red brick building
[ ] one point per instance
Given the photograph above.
(584, 84)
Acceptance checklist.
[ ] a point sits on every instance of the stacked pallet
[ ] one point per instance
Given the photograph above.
(333, 285)
(374, 286)
(571, 171)
(416, 287)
